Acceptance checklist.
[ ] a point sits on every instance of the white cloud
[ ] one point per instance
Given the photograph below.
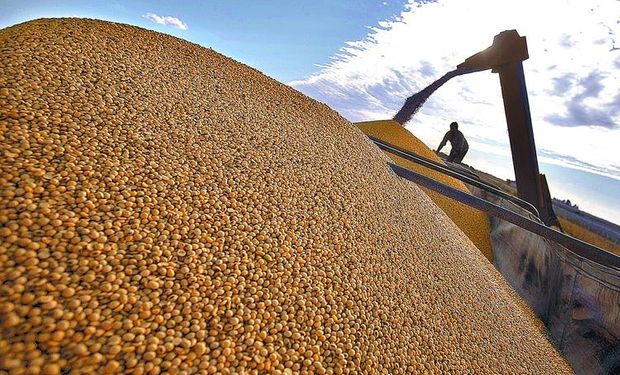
(572, 75)
(166, 20)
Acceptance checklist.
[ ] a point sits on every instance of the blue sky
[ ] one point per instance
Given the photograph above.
(363, 58)
(284, 39)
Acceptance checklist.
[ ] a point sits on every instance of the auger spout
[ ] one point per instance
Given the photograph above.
(415, 101)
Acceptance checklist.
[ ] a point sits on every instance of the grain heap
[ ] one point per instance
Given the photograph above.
(166, 209)
(474, 223)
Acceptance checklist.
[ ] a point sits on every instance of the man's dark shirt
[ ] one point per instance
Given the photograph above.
(457, 140)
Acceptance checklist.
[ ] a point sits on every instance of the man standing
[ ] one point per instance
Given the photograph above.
(457, 141)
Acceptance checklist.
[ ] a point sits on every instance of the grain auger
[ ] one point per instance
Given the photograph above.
(505, 57)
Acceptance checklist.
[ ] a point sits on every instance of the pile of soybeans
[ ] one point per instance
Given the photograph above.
(165, 209)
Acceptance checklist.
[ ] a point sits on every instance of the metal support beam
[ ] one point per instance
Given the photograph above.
(505, 56)
(576, 246)
(521, 135)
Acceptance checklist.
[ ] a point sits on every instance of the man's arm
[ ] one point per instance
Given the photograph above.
(443, 141)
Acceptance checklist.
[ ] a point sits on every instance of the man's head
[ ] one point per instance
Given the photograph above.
(454, 125)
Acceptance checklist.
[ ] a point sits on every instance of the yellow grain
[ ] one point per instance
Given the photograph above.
(196, 216)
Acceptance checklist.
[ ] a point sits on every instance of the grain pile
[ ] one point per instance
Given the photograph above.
(474, 223)
(587, 235)
(166, 209)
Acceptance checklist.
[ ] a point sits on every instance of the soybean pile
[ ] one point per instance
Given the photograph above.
(474, 223)
(165, 209)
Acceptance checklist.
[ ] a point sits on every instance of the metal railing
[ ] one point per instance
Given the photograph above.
(578, 247)
(452, 173)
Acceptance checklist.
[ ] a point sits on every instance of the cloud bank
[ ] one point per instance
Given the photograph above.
(571, 76)
(166, 20)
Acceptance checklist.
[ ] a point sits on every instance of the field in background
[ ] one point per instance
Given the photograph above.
(575, 222)
(584, 234)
